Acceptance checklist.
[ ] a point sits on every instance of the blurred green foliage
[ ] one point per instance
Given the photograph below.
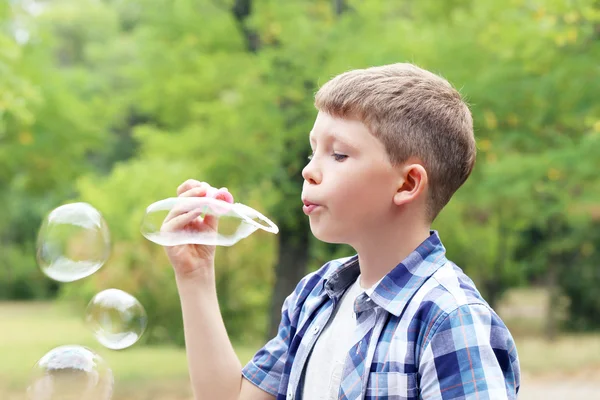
(116, 102)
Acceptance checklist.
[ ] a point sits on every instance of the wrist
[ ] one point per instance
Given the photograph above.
(201, 275)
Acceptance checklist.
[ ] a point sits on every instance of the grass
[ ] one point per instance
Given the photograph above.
(524, 312)
(30, 330)
(567, 355)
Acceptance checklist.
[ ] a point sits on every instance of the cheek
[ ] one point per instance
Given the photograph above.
(353, 184)
(370, 207)
(354, 213)
(366, 191)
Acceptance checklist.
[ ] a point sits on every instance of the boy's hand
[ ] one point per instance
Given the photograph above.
(189, 259)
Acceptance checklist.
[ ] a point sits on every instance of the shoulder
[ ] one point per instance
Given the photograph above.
(449, 296)
(450, 300)
(462, 336)
(469, 353)
(449, 289)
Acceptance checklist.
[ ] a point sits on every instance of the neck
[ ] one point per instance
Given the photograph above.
(381, 251)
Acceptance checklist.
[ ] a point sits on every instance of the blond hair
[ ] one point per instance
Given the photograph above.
(415, 113)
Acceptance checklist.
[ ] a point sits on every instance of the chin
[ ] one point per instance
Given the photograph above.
(328, 236)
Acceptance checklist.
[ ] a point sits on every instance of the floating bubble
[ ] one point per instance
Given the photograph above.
(117, 319)
(73, 242)
(235, 222)
(71, 373)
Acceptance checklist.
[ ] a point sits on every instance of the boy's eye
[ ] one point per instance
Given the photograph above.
(336, 156)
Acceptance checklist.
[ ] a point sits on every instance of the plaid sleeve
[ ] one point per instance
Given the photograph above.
(469, 354)
(265, 370)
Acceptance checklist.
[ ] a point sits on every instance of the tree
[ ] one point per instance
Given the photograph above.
(116, 102)
(41, 116)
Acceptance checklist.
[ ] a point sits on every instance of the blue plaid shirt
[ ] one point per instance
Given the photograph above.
(424, 333)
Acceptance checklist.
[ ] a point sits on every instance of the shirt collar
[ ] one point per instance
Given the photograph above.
(393, 291)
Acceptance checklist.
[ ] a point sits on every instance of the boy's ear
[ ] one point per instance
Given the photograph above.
(413, 182)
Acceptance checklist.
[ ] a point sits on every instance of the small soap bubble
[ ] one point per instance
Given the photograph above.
(71, 372)
(117, 319)
(73, 242)
(180, 220)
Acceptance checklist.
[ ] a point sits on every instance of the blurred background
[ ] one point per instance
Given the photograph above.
(116, 102)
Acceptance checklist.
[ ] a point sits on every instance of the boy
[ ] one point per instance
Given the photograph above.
(398, 320)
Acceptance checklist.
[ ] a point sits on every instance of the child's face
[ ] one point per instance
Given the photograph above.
(351, 180)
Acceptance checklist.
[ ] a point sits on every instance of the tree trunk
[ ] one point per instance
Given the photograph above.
(553, 301)
(494, 285)
(242, 10)
(291, 265)
(294, 229)
(339, 6)
(557, 228)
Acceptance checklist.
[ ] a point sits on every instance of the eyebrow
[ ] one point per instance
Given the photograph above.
(331, 135)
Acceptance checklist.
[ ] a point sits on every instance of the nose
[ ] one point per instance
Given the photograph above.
(310, 172)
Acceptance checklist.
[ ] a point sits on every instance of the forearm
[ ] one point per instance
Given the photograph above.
(215, 369)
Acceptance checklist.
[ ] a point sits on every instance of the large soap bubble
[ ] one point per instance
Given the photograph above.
(71, 372)
(235, 221)
(117, 319)
(73, 242)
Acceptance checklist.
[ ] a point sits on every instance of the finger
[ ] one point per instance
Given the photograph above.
(212, 221)
(199, 191)
(211, 192)
(187, 185)
(182, 207)
(180, 221)
(224, 195)
(213, 212)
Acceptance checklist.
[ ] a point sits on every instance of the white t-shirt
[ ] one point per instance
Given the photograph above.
(326, 361)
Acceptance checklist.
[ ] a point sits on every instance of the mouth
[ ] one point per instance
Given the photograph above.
(309, 207)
